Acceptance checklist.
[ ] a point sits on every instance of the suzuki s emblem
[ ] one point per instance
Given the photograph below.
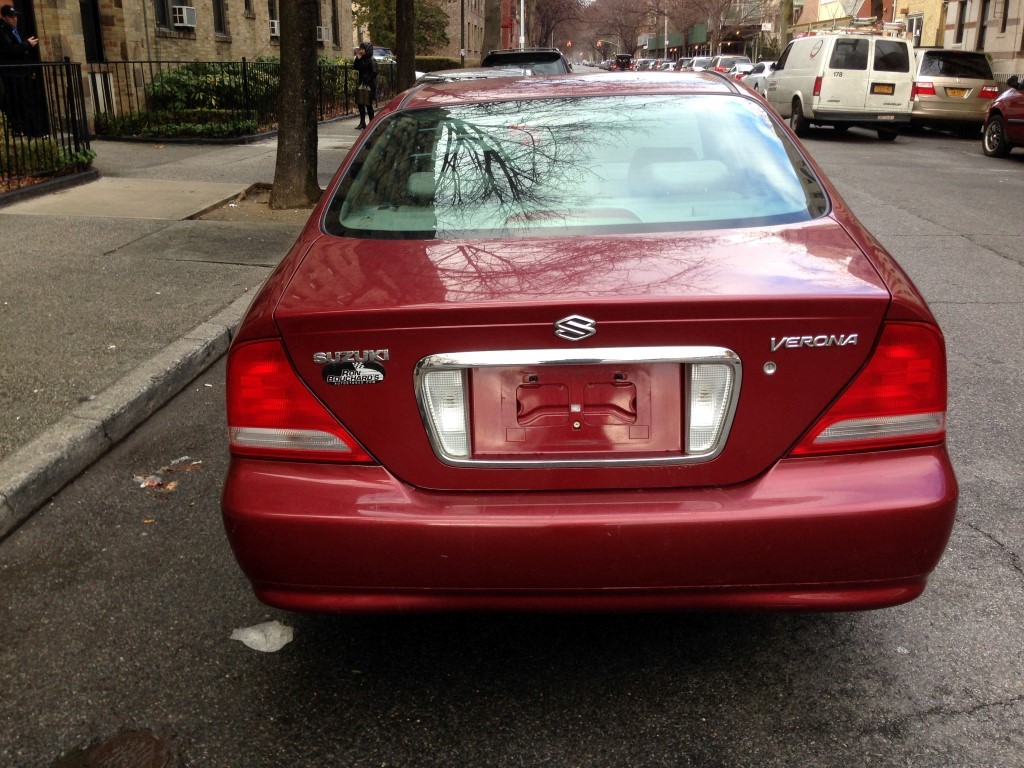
(575, 328)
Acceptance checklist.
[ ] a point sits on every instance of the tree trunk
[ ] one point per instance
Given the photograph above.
(405, 44)
(492, 27)
(295, 181)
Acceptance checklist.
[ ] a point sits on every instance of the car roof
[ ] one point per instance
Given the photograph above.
(568, 86)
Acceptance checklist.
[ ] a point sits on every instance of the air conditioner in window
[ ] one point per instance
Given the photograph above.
(183, 16)
(275, 28)
(323, 34)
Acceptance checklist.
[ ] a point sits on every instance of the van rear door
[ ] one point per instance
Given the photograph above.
(891, 80)
(844, 82)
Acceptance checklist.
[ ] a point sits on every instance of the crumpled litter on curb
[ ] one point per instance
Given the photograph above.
(156, 481)
(268, 637)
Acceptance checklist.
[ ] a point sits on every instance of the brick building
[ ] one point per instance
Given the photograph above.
(172, 30)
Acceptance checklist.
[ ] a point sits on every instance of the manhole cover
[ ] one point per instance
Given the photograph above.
(134, 749)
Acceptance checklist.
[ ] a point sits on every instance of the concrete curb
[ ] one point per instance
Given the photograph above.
(35, 473)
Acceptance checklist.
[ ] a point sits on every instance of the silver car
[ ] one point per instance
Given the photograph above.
(952, 89)
(757, 76)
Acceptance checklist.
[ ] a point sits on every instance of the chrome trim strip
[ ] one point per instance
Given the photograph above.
(683, 355)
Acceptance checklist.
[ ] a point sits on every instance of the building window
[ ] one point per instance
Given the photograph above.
(248, 6)
(220, 24)
(983, 22)
(915, 25)
(961, 21)
(272, 9)
(164, 15)
(335, 23)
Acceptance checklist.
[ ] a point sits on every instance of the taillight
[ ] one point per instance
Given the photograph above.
(898, 400)
(817, 86)
(988, 92)
(271, 413)
(924, 88)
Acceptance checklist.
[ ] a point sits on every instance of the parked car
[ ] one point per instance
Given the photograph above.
(470, 73)
(683, 64)
(623, 62)
(842, 80)
(723, 63)
(641, 64)
(952, 89)
(383, 54)
(522, 358)
(756, 77)
(540, 61)
(740, 70)
(697, 63)
(1004, 123)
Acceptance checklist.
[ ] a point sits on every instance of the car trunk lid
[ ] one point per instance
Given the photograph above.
(580, 360)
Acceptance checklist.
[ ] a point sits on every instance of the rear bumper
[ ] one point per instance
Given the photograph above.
(872, 119)
(928, 114)
(838, 533)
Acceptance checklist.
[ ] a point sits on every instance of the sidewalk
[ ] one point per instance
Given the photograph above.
(112, 298)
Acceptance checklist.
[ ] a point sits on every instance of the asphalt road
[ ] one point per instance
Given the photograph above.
(118, 601)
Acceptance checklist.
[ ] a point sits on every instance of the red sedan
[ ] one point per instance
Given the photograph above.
(598, 342)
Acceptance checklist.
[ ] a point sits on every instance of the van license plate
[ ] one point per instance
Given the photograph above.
(958, 92)
(887, 117)
(886, 89)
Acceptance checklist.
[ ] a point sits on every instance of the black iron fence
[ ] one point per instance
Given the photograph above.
(210, 99)
(43, 126)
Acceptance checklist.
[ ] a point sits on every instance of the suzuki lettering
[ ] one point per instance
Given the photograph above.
(351, 356)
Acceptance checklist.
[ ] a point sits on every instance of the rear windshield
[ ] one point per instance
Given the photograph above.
(850, 53)
(553, 167)
(891, 56)
(956, 64)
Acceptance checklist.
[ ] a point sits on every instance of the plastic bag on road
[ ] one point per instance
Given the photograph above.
(269, 637)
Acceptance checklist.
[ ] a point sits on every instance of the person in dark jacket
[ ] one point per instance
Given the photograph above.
(17, 81)
(366, 67)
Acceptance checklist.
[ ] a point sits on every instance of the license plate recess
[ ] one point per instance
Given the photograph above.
(585, 411)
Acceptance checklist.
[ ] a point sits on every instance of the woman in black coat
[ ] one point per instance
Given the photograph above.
(366, 66)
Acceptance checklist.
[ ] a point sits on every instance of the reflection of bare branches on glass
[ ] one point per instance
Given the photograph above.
(518, 159)
(471, 155)
(588, 267)
(574, 166)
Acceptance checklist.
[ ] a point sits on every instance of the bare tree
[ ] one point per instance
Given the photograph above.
(295, 181)
(622, 19)
(550, 16)
(684, 15)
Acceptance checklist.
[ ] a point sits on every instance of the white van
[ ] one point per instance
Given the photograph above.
(844, 79)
